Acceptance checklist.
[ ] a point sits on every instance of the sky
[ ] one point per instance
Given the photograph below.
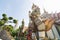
(19, 9)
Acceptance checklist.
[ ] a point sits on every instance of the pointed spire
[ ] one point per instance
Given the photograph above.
(45, 11)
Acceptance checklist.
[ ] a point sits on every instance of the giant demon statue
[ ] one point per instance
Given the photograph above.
(38, 22)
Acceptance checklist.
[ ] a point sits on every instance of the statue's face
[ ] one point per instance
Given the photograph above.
(34, 16)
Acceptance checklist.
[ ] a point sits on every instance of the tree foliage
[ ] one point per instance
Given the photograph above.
(14, 33)
(14, 21)
(1, 22)
(5, 19)
(4, 15)
(8, 28)
(10, 18)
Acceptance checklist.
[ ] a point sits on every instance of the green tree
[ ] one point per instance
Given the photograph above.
(14, 21)
(14, 33)
(10, 18)
(4, 15)
(5, 19)
(1, 22)
(8, 28)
